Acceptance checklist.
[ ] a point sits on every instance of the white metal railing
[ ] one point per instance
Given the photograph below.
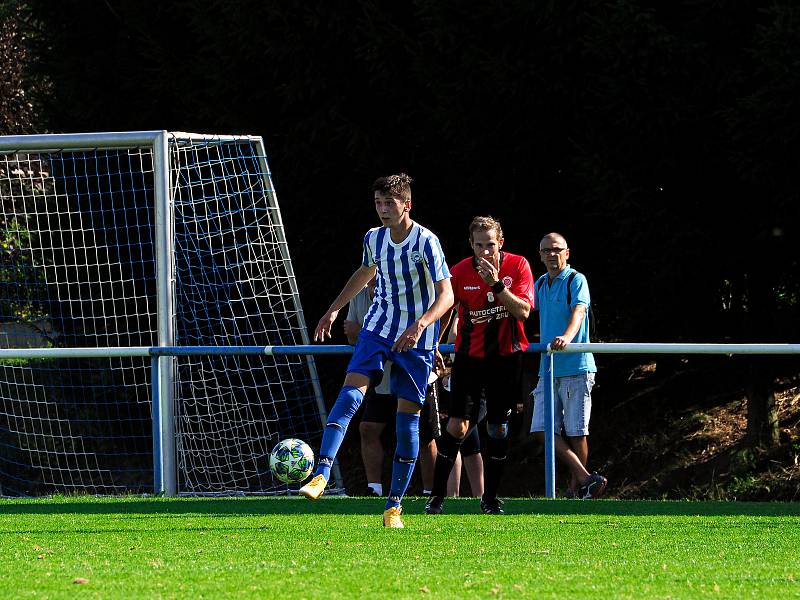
(164, 480)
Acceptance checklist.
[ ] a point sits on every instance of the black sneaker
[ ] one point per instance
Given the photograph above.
(492, 506)
(593, 487)
(434, 505)
(370, 493)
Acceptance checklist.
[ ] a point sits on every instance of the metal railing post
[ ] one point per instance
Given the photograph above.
(549, 426)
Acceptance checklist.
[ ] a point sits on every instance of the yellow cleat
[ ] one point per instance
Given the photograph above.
(391, 517)
(314, 488)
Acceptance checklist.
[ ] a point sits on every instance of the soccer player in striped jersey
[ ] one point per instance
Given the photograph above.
(493, 291)
(412, 292)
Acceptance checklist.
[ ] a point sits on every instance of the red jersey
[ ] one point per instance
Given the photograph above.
(485, 327)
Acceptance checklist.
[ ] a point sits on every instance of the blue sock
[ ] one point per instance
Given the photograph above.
(343, 410)
(405, 456)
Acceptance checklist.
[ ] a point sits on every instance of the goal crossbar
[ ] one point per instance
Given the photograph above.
(106, 140)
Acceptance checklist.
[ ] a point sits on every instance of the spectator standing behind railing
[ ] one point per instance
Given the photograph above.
(469, 457)
(562, 299)
(380, 405)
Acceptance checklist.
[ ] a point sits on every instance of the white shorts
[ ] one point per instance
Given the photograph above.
(572, 399)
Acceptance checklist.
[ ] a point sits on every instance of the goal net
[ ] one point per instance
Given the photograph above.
(80, 230)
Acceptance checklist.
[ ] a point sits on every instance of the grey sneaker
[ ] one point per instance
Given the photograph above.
(593, 487)
(434, 505)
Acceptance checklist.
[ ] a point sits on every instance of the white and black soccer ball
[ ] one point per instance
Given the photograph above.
(291, 461)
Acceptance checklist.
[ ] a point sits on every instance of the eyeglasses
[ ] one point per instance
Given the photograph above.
(551, 250)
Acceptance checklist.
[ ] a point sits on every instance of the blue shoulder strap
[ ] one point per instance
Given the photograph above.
(540, 282)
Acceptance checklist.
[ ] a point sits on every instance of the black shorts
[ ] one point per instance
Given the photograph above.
(496, 378)
(472, 443)
(379, 408)
(445, 397)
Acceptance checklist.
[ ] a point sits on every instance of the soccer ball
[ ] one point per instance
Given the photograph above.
(291, 460)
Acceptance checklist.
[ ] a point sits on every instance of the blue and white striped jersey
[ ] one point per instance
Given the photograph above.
(404, 287)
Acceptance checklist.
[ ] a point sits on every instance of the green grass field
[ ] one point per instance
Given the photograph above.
(336, 548)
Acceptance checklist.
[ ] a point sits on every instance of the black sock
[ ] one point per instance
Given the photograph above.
(447, 448)
(494, 460)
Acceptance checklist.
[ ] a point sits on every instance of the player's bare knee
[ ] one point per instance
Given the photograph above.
(457, 427)
(357, 380)
(408, 407)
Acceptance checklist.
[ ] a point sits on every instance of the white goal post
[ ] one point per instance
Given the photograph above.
(143, 239)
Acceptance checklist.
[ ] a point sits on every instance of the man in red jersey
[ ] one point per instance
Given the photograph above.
(493, 291)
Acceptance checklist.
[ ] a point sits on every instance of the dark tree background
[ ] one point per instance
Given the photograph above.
(661, 138)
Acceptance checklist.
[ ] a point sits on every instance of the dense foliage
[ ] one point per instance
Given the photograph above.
(660, 138)
(20, 89)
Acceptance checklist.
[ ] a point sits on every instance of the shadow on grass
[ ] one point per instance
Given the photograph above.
(254, 506)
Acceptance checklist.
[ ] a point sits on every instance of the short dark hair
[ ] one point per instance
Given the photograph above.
(486, 223)
(397, 185)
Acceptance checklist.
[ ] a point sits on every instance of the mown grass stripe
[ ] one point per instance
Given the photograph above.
(336, 548)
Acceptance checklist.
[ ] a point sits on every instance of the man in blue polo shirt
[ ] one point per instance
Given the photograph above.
(562, 299)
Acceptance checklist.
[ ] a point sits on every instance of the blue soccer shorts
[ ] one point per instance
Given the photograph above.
(408, 378)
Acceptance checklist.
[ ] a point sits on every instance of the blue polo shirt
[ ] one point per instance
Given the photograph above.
(554, 315)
